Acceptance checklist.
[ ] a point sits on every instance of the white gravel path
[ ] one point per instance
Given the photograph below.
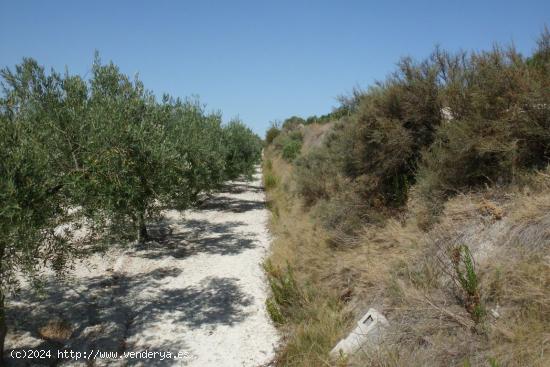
(198, 289)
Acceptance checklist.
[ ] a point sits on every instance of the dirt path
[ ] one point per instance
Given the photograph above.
(198, 290)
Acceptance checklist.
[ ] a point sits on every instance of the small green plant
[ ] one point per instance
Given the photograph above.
(285, 292)
(270, 181)
(466, 277)
(274, 311)
(282, 284)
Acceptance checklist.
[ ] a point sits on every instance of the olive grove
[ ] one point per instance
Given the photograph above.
(103, 153)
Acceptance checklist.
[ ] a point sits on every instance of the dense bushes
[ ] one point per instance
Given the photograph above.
(103, 152)
(313, 179)
(499, 125)
(443, 125)
(394, 121)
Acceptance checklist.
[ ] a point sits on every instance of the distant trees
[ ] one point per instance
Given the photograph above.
(292, 123)
(103, 152)
(243, 149)
(273, 131)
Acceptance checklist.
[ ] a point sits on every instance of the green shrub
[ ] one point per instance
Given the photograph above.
(316, 176)
(291, 149)
(285, 137)
(295, 135)
(466, 154)
(393, 122)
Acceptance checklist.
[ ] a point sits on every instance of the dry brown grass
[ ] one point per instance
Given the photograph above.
(397, 269)
(321, 320)
(429, 323)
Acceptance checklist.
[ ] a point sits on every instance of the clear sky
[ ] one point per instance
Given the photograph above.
(259, 60)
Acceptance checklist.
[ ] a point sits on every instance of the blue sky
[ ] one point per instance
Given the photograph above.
(259, 60)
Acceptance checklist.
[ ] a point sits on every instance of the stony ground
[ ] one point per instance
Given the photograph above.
(197, 289)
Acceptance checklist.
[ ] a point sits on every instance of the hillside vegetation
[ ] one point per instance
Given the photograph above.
(428, 199)
(87, 163)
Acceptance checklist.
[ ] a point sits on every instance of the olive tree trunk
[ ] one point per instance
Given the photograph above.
(142, 229)
(3, 327)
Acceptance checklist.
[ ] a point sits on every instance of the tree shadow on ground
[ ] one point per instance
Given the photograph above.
(214, 301)
(241, 187)
(230, 204)
(199, 236)
(104, 311)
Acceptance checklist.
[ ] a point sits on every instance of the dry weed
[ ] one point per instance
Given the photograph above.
(56, 330)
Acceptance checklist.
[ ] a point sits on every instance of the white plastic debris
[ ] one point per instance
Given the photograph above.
(447, 113)
(367, 333)
(495, 313)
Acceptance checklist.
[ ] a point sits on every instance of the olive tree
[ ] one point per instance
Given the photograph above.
(38, 161)
(125, 159)
(197, 139)
(243, 149)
